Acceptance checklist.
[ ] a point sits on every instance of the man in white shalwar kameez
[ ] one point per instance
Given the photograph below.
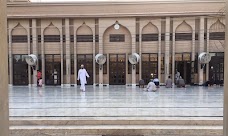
(151, 86)
(82, 74)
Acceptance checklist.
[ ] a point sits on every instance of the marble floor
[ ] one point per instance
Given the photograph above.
(115, 101)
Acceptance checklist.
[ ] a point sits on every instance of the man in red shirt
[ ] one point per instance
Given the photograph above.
(39, 75)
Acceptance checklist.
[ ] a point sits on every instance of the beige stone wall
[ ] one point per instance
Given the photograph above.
(133, 19)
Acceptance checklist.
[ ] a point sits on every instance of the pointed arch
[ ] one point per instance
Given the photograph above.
(84, 30)
(84, 33)
(183, 28)
(19, 30)
(183, 38)
(19, 34)
(150, 28)
(150, 33)
(218, 26)
(113, 39)
(51, 30)
(51, 33)
(111, 30)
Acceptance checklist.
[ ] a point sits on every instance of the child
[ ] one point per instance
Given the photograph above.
(40, 82)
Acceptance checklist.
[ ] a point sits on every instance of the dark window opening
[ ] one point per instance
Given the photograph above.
(51, 38)
(149, 37)
(217, 36)
(84, 38)
(19, 38)
(183, 37)
(117, 38)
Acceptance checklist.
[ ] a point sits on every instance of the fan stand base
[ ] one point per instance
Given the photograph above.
(202, 66)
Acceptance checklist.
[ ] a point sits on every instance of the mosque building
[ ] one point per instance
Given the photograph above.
(163, 36)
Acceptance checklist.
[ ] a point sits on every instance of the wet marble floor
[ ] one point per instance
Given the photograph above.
(115, 101)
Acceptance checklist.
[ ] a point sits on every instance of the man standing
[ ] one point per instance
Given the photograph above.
(55, 77)
(82, 74)
(177, 76)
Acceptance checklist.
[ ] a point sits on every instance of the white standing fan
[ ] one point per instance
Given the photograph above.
(31, 60)
(134, 58)
(204, 58)
(100, 59)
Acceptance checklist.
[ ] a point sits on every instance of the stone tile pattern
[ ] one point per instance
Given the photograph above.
(115, 101)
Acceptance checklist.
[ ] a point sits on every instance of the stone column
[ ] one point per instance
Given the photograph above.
(100, 50)
(201, 48)
(225, 114)
(4, 112)
(75, 58)
(173, 55)
(140, 51)
(68, 57)
(133, 50)
(167, 46)
(207, 50)
(159, 56)
(34, 49)
(61, 54)
(193, 53)
(94, 54)
(29, 51)
(10, 58)
(42, 54)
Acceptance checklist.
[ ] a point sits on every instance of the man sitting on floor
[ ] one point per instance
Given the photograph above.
(181, 82)
(151, 86)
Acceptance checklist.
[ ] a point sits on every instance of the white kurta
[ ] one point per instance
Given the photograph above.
(151, 87)
(82, 74)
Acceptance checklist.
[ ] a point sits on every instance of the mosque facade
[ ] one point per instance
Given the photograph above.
(168, 36)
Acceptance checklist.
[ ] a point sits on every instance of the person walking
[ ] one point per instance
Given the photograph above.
(82, 74)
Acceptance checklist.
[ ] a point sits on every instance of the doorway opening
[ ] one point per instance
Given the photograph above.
(117, 69)
(87, 61)
(216, 68)
(149, 67)
(52, 69)
(20, 70)
(183, 65)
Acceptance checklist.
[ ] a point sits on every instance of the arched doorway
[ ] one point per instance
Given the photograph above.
(216, 49)
(117, 45)
(20, 67)
(85, 50)
(52, 55)
(183, 51)
(149, 52)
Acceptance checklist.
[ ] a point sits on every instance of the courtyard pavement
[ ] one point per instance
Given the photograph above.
(115, 101)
